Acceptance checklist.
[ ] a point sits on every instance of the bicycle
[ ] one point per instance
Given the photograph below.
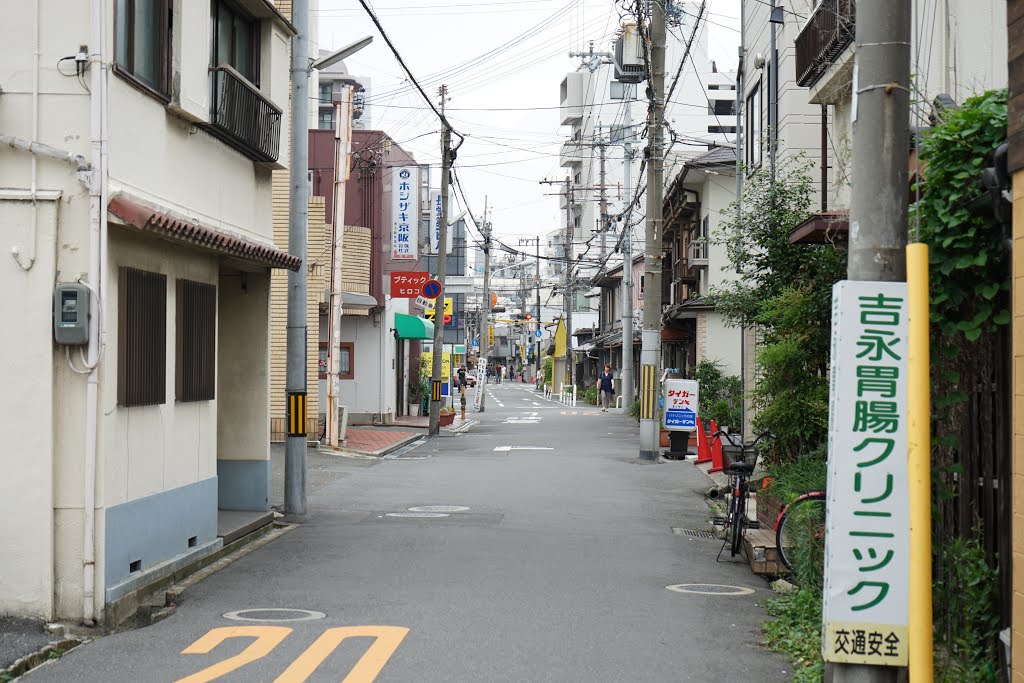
(739, 472)
(800, 528)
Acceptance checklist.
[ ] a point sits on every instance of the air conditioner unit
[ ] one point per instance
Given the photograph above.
(629, 56)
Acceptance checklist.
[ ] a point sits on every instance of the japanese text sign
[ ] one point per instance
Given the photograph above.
(435, 225)
(867, 562)
(405, 213)
(448, 308)
(681, 400)
(408, 285)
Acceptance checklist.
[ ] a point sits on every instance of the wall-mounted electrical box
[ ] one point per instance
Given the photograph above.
(71, 313)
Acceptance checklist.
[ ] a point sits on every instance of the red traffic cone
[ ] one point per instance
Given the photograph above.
(703, 446)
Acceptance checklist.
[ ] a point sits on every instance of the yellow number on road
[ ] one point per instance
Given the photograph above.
(267, 638)
(386, 641)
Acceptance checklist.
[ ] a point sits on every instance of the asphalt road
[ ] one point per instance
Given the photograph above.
(556, 570)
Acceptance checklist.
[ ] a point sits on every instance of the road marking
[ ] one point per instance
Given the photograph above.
(307, 614)
(570, 412)
(267, 638)
(439, 508)
(385, 643)
(506, 449)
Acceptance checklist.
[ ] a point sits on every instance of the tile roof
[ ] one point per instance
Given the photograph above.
(166, 225)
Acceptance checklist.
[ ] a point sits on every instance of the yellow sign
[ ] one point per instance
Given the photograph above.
(490, 335)
(876, 644)
(448, 308)
(427, 357)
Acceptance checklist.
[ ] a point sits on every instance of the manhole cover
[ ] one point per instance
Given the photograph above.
(692, 532)
(439, 508)
(275, 614)
(418, 515)
(710, 589)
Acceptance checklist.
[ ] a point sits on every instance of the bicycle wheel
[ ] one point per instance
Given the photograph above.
(739, 516)
(800, 532)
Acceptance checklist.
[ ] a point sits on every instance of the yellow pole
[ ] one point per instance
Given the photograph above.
(921, 645)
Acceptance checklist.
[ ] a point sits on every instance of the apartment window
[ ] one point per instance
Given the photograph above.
(324, 361)
(346, 354)
(722, 108)
(325, 93)
(326, 119)
(754, 126)
(721, 129)
(236, 40)
(142, 42)
(578, 178)
(195, 367)
(141, 337)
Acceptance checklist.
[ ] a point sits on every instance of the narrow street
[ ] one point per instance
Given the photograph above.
(552, 566)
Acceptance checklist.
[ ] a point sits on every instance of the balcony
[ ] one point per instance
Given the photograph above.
(828, 32)
(242, 117)
(697, 254)
(571, 154)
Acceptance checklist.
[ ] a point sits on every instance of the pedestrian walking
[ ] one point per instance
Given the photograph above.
(605, 388)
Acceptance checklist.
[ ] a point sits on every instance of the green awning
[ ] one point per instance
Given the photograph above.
(412, 327)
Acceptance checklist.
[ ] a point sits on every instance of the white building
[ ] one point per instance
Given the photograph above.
(154, 197)
(331, 79)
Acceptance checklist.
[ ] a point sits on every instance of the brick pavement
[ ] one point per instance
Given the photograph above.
(374, 439)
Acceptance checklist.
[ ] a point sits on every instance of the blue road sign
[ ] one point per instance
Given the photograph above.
(476, 343)
(538, 334)
(432, 289)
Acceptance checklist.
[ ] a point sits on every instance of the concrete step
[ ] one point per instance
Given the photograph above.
(759, 549)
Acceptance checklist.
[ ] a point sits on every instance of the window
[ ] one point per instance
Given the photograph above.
(195, 368)
(721, 129)
(754, 126)
(326, 119)
(142, 42)
(235, 40)
(722, 108)
(346, 352)
(324, 361)
(141, 337)
(578, 178)
(325, 93)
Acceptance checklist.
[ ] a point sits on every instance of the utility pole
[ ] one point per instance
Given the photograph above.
(603, 220)
(343, 144)
(298, 215)
(878, 207)
(650, 355)
(526, 241)
(485, 312)
(568, 295)
(438, 355)
(627, 253)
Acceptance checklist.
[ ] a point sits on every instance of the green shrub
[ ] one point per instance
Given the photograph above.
(634, 410)
(796, 632)
(590, 395)
(549, 369)
(721, 397)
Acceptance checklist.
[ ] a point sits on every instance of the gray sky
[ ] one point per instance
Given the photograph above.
(504, 98)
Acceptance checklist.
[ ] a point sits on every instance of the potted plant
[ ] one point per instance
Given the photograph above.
(447, 416)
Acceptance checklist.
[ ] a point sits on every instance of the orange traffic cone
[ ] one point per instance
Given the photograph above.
(717, 458)
(703, 446)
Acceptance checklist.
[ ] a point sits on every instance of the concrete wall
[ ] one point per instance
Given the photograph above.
(371, 394)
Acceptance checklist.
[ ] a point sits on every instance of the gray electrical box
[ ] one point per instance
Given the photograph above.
(71, 313)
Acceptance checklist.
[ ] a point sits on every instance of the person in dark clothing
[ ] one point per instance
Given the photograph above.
(605, 388)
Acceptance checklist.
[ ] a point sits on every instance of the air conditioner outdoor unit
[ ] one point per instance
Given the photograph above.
(629, 56)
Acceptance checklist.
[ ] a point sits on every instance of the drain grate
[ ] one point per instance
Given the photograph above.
(692, 532)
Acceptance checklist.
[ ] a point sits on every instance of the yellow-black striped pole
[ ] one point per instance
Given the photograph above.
(435, 390)
(296, 416)
(648, 392)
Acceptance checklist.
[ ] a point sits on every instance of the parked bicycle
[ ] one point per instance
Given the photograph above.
(739, 471)
(800, 531)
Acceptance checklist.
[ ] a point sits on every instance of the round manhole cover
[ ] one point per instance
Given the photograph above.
(275, 614)
(418, 515)
(439, 508)
(710, 589)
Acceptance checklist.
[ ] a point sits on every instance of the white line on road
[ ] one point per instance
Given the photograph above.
(506, 449)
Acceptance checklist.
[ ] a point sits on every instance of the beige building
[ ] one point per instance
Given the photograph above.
(137, 179)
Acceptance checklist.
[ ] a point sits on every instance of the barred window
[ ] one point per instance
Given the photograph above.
(142, 338)
(195, 368)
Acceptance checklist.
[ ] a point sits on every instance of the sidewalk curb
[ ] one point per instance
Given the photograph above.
(463, 428)
(351, 452)
(51, 652)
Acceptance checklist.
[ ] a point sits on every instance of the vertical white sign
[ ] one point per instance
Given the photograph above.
(682, 396)
(435, 224)
(405, 213)
(867, 536)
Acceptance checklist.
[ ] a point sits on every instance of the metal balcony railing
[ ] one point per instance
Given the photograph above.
(828, 32)
(242, 116)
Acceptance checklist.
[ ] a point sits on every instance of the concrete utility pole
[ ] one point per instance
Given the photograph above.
(485, 312)
(438, 351)
(878, 207)
(650, 355)
(298, 215)
(526, 241)
(603, 211)
(568, 295)
(627, 253)
(343, 145)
